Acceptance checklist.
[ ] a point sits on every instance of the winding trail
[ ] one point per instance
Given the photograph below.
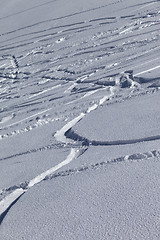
(39, 48)
(67, 136)
(11, 199)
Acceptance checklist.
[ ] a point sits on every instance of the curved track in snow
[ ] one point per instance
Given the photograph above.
(58, 68)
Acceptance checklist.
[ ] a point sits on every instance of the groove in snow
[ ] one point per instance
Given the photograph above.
(8, 201)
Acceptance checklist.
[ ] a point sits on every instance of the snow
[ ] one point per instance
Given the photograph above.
(10, 199)
(148, 70)
(125, 121)
(79, 119)
(43, 175)
(117, 201)
(60, 134)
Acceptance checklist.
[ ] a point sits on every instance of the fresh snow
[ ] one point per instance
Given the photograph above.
(79, 119)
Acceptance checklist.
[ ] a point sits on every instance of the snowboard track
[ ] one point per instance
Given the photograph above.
(36, 42)
(86, 142)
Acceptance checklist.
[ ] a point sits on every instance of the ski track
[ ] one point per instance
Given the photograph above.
(15, 195)
(60, 136)
(148, 70)
(12, 197)
(46, 52)
(47, 90)
(22, 120)
(127, 158)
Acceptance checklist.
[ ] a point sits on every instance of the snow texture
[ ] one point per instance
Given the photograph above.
(79, 119)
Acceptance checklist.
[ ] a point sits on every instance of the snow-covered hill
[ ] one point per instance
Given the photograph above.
(79, 119)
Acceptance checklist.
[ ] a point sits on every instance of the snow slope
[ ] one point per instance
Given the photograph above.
(79, 119)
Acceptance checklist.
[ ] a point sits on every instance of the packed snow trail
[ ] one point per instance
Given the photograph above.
(7, 202)
(57, 66)
(60, 134)
(73, 153)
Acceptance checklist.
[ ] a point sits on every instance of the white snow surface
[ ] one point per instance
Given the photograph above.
(79, 119)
